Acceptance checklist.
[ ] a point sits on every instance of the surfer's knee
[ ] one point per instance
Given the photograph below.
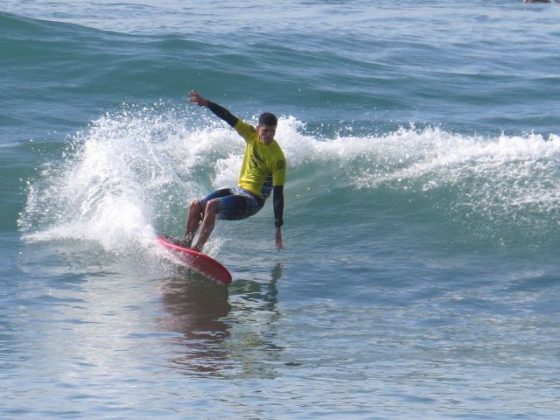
(195, 207)
(211, 207)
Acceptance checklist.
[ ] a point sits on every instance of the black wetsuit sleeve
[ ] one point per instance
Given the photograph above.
(223, 113)
(278, 202)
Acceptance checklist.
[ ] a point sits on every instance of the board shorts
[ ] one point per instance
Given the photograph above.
(234, 203)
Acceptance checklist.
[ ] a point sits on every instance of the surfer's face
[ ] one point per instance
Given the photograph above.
(266, 133)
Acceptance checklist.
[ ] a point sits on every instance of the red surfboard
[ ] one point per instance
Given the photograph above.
(199, 262)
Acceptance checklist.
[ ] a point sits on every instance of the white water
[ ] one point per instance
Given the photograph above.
(133, 172)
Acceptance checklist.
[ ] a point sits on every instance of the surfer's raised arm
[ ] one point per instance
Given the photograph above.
(220, 111)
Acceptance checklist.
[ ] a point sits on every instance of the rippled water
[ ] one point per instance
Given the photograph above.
(420, 272)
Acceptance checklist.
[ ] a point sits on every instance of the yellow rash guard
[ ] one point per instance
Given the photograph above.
(264, 165)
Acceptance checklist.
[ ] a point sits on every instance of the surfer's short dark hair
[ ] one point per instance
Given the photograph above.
(266, 118)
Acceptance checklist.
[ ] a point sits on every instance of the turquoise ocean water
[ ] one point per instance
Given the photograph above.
(420, 275)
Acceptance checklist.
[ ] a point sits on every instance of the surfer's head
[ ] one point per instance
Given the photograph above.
(267, 127)
(266, 118)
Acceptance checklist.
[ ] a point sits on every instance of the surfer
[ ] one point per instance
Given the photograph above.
(263, 170)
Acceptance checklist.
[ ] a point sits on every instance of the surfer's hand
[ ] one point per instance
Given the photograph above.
(278, 237)
(195, 98)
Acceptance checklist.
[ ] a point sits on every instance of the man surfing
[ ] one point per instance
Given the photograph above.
(263, 170)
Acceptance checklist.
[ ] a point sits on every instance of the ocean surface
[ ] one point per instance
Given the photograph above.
(420, 275)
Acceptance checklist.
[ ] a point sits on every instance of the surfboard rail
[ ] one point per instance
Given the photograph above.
(197, 261)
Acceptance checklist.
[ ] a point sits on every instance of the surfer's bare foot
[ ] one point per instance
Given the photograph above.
(197, 246)
(178, 242)
(186, 242)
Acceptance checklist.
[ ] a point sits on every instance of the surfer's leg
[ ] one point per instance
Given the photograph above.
(207, 223)
(196, 214)
(193, 222)
(227, 204)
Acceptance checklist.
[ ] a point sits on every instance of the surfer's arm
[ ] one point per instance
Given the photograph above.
(278, 203)
(218, 110)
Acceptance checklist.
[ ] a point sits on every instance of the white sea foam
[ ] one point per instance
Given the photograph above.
(510, 174)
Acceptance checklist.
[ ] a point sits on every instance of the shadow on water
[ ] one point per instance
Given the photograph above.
(222, 332)
(253, 295)
(253, 324)
(195, 308)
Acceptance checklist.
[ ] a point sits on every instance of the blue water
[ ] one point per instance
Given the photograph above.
(420, 275)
